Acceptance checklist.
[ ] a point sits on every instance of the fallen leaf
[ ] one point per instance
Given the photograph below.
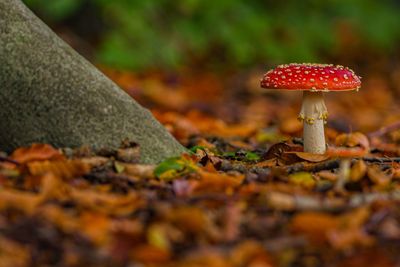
(350, 231)
(280, 152)
(157, 236)
(353, 140)
(250, 253)
(328, 175)
(304, 179)
(19, 200)
(217, 182)
(314, 225)
(377, 176)
(148, 254)
(358, 171)
(129, 152)
(13, 254)
(36, 152)
(311, 157)
(190, 219)
(65, 169)
(174, 167)
(95, 227)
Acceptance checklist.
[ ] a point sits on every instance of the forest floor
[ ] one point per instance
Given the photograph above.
(244, 195)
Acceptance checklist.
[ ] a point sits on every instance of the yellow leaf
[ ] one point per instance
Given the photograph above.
(304, 179)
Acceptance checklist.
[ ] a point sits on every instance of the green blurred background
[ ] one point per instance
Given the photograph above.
(226, 34)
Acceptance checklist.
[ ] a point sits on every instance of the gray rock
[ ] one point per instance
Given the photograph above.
(50, 94)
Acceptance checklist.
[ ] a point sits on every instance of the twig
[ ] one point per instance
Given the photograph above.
(333, 164)
(384, 130)
(288, 202)
(381, 160)
(302, 166)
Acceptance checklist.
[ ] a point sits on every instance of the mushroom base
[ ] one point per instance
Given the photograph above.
(314, 115)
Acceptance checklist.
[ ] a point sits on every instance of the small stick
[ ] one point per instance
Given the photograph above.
(333, 164)
(381, 160)
(325, 165)
(289, 202)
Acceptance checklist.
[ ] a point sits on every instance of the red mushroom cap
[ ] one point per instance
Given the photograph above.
(312, 77)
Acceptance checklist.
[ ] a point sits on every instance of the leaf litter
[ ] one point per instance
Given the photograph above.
(245, 194)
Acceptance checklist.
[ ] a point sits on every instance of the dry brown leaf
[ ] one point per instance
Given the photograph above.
(66, 169)
(106, 203)
(140, 170)
(148, 254)
(204, 258)
(190, 219)
(281, 201)
(36, 152)
(350, 231)
(250, 253)
(353, 140)
(311, 157)
(53, 187)
(13, 254)
(279, 151)
(342, 232)
(267, 163)
(95, 161)
(377, 176)
(95, 227)
(95, 200)
(314, 225)
(217, 182)
(19, 200)
(129, 152)
(57, 216)
(328, 175)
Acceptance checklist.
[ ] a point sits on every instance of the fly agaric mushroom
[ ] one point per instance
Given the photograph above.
(313, 80)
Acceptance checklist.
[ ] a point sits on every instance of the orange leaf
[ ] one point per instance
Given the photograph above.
(95, 226)
(352, 140)
(315, 226)
(217, 182)
(377, 176)
(191, 219)
(20, 200)
(36, 152)
(250, 253)
(63, 168)
(358, 170)
(311, 157)
(149, 254)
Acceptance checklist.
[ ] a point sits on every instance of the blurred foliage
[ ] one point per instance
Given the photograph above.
(162, 33)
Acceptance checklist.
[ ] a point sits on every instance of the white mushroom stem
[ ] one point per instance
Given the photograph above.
(313, 114)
